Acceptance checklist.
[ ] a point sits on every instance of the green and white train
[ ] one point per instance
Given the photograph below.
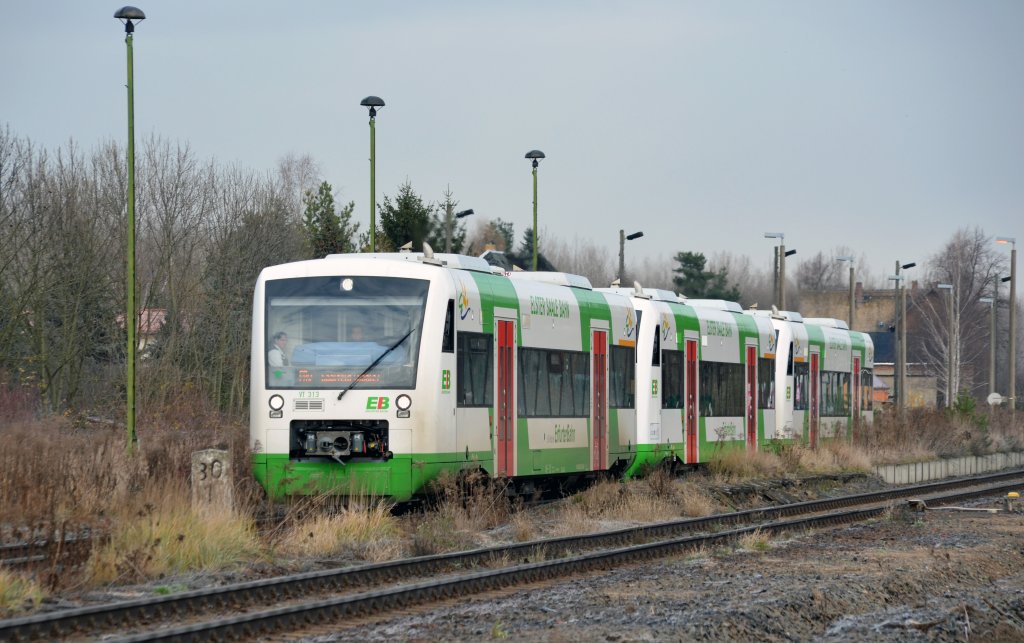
(377, 373)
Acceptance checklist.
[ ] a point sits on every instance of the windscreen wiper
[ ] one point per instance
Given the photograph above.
(375, 362)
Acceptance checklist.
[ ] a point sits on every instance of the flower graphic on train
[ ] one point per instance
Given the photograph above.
(773, 342)
(666, 326)
(464, 308)
(630, 323)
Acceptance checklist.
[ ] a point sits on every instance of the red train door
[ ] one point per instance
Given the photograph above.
(855, 394)
(505, 442)
(751, 397)
(813, 400)
(691, 401)
(599, 346)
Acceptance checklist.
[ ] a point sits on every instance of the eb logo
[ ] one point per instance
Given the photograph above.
(378, 403)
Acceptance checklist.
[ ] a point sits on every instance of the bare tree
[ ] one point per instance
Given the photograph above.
(755, 285)
(970, 264)
(824, 271)
(487, 232)
(297, 175)
(581, 257)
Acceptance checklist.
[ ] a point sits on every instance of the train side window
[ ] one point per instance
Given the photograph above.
(656, 354)
(722, 389)
(835, 394)
(672, 376)
(621, 377)
(765, 383)
(448, 341)
(474, 373)
(553, 383)
(789, 362)
(801, 379)
(867, 390)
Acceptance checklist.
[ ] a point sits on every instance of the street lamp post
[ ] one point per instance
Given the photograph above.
(897, 365)
(991, 342)
(1013, 319)
(899, 374)
(129, 16)
(373, 103)
(449, 220)
(950, 387)
(535, 156)
(780, 267)
(852, 302)
(623, 238)
(903, 337)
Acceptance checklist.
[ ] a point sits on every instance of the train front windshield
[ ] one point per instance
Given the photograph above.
(343, 332)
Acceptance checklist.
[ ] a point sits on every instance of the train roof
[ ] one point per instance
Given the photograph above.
(555, 278)
(717, 304)
(654, 294)
(788, 315)
(827, 322)
(450, 260)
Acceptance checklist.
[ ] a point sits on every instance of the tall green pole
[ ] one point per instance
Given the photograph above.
(373, 181)
(535, 235)
(127, 15)
(373, 103)
(535, 156)
(1013, 328)
(130, 317)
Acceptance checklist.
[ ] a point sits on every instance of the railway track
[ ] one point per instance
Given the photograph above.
(53, 550)
(308, 599)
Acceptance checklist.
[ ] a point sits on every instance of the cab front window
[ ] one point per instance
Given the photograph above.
(342, 332)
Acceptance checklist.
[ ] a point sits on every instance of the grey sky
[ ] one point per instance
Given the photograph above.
(879, 125)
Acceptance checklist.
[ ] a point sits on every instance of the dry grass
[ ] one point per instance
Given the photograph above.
(657, 497)
(166, 535)
(756, 540)
(69, 473)
(365, 529)
(831, 456)
(928, 434)
(463, 505)
(739, 464)
(18, 593)
(523, 527)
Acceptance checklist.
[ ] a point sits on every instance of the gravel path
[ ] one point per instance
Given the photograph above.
(932, 576)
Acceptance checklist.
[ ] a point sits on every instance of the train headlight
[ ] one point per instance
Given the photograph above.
(346, 284)
(276, 402)
(403, 402)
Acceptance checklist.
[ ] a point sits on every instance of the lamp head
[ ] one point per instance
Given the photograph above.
(845, 258)
(373, 102)
(985, 300)
(790, 253)
(127, 15)
(908, 266)
(464, 213)
(536, 155)
(1010, 240)
(948, 287)
(635, 235)
(775, 235)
